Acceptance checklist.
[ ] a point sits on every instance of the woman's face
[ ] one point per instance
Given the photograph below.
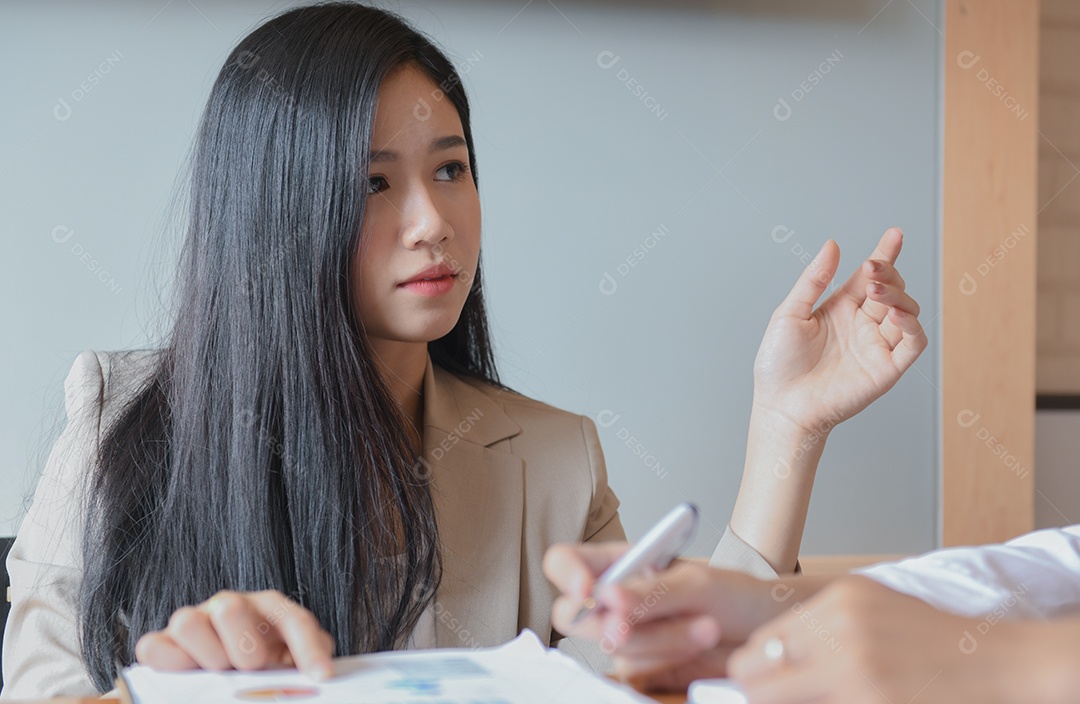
(423, 212)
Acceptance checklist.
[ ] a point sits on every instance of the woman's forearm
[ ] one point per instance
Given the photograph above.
(781, 462)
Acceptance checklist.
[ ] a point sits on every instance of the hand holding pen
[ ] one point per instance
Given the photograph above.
(606, 567)
(665, 629)
(654, 553)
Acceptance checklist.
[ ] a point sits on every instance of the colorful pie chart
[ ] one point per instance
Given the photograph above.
(276, 694)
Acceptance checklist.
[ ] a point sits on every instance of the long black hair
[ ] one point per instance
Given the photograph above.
(265, 451)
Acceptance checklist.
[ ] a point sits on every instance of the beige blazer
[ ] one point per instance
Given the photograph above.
(511, 477)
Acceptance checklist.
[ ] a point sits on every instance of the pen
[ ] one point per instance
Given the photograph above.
(654, 552)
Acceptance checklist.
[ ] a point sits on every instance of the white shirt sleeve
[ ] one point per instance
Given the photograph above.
(1034, 576)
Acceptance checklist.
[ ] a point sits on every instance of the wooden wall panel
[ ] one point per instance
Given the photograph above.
(990, 214)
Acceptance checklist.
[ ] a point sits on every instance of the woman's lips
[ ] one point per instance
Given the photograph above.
(430, 287)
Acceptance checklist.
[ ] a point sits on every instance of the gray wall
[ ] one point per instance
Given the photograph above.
(632, 240)
(1057, 447)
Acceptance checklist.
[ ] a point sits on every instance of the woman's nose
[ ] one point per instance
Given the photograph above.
(424, 223)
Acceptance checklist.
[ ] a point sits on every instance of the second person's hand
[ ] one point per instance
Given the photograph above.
(858, 641)
(668, 629)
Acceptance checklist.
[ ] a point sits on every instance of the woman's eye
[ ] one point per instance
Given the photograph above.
(454, 171)
(377, 184)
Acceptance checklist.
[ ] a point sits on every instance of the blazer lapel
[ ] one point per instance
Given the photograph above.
(478, 492)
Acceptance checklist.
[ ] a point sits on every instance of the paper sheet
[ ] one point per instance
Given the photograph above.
(522, 671)
(716, 691)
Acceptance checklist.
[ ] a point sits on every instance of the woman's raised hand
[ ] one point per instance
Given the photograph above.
(818, 367)
(242, 631)
(814, 369)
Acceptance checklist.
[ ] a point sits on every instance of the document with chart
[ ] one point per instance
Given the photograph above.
(522, 671)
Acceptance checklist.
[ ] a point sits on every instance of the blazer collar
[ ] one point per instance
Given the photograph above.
(459, 409)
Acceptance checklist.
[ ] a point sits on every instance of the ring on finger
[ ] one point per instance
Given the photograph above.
(775, 650)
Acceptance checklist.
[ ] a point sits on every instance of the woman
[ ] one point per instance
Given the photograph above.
(321, 458)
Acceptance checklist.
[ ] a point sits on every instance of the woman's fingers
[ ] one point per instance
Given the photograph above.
(811, 283)
(890, 296)
(245, 631)
(311, 646)
(678, 676)
(895, 311)
(671, 640)
(906, 322)
(685, 588)
(791, 684)
(573, 569)
(886, 289)
(158, 650)
(190, 628)
(914, 339)
(676, 591)
(887, 250)
(563, 613)
(238, 627)
(898, 311)
(883, 272)
(752, 661)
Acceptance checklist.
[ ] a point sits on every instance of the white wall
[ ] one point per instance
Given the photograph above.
(577, 172)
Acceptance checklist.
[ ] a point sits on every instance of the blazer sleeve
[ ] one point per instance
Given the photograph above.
(734, 553)
(41, 657)
(603, 522)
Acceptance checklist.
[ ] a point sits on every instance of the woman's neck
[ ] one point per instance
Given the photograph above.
(402, 365)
